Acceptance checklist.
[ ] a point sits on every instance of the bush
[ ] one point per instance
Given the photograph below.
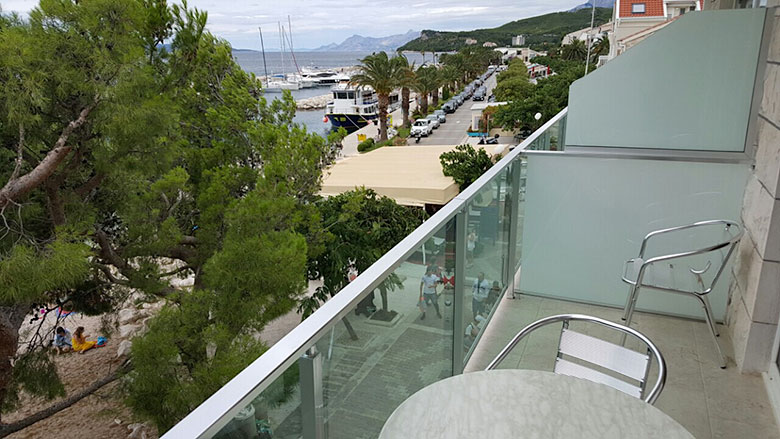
(366, 145)
(404, 132)
(465, 164)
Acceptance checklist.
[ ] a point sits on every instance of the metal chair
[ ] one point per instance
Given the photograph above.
(660, 273)
(579, 353)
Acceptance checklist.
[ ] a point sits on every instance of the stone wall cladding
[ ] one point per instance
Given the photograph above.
(754, 307)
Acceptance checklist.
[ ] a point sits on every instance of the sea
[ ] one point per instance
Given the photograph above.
(280, 63)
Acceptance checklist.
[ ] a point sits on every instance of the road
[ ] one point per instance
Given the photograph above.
(453, 132)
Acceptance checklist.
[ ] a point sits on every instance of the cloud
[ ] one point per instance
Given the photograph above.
(318, 22)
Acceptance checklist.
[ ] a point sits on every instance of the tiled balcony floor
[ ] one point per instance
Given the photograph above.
(706, 400)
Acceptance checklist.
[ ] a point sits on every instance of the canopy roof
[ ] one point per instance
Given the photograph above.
(411, 175)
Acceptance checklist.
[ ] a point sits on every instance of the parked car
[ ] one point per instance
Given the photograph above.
(460, 98)
(421, 127)
(434, 120)
(442, 117)
(448, 107)
(479, 95)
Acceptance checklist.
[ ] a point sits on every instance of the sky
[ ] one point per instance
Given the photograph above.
(319, 22)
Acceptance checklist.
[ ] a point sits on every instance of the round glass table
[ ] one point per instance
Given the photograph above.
(526, 404)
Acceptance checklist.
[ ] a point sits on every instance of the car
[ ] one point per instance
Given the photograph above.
(441, 115)
(449, 107)
(421, 127)
(479, 95)
(434, 120)
(459, 99)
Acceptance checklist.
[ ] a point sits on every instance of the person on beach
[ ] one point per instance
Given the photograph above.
(80, 343)
(62, 339)
(428, 293)
(479, 294)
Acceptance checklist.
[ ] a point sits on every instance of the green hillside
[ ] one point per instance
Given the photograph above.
(540, 32)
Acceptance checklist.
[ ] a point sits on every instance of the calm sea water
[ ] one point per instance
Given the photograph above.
(278, 63)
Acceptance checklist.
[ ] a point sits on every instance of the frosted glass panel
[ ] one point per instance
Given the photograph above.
(584, 217)
(687, 87)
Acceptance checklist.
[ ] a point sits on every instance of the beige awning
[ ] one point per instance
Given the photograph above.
(411, 175)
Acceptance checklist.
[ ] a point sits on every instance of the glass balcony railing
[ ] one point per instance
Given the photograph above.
(339, 374)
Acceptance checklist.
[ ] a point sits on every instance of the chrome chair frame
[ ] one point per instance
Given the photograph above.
(652, 349)
(701, 295)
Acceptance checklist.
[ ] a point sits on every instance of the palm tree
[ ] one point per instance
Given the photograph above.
(425, 84)
(449, 77)
(601, 47)
(576, 51)
(406, 71)
(438, 83)
(381, 73)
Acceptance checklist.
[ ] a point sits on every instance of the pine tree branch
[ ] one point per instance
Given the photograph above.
(19, 154)
(18, 187)
(6, 429)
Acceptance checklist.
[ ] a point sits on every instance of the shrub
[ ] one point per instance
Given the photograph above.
(404, 132)
(465, 164)
(366, 145)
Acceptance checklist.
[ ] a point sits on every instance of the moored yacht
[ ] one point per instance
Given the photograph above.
(354, 107)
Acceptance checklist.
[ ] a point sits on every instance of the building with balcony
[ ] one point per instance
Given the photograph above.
(680, 136)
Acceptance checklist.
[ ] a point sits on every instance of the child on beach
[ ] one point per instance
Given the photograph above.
(62, 340)
(80, 343)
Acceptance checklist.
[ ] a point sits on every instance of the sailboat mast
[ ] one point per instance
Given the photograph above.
(281, 46)
(262, 46)
(292, 51)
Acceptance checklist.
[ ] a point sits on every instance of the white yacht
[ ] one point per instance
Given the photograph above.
(354, 107)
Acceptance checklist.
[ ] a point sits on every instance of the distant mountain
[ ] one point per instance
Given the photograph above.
(541, 32)
(357, 43)
(599, 4)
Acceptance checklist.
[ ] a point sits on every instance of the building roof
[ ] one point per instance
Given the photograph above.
(411, 175)
(653, 8)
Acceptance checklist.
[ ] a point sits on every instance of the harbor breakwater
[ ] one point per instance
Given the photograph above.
(314, 102)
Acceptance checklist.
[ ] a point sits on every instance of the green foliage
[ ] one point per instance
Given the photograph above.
(179, 157)
(549, 96)
(465, 164)
(173, 369)
(361, 227)
(366, 145)
(403, 132)
(541, 32)
(575, 51)
(383, 74)
(35, 373)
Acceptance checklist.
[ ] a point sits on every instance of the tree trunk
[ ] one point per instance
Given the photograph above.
(352, 334)
(383, 293)
(13, 427)
(436, 97)
(405, 105)
(383, 101)
(11, 319)
(424, 103)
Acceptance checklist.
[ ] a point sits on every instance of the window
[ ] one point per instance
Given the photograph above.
(637, 8)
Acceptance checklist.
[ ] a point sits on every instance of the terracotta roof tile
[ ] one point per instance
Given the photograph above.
(653, 8)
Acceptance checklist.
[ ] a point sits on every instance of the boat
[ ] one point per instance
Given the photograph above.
(324, 77)
(354, 107)
(279, 85)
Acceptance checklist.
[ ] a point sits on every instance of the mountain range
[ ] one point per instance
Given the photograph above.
(359, 43)
(599, 4)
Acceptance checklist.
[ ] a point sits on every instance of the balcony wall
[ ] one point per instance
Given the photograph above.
(689, 86)
(585, 216)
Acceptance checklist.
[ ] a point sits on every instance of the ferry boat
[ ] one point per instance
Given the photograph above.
(354, 107)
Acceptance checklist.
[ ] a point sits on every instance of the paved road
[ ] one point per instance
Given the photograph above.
(453, 132)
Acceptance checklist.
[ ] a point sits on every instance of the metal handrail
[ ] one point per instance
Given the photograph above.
(650, 398)
(209, 417)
